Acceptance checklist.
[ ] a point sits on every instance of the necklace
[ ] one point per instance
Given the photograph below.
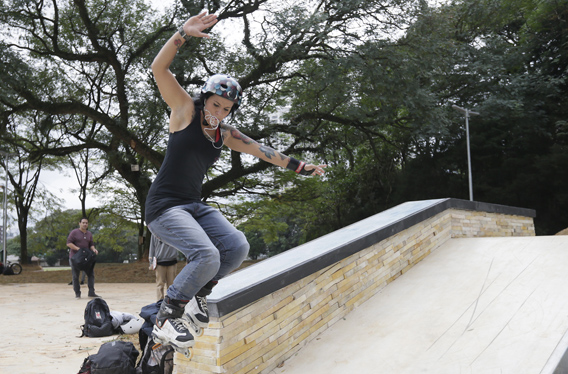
(214, 122)
(213, 140)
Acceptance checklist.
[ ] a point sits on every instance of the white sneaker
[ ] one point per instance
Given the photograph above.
(169, 327)
(173, 332)
(196, 311)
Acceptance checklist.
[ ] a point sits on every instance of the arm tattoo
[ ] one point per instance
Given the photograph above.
(178, 44)
(239, 135)
(224, 133)
(268, 152)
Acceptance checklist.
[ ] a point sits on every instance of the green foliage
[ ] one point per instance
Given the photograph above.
(505, 62)
(391, 136)
(49, 235)
(364, 86)
(277, 223)
(115, 238)
(13, 246)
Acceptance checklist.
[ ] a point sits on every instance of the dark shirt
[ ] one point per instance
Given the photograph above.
(80, 239)
(188, 157)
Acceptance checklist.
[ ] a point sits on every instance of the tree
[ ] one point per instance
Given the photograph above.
(363, 86)
(48, 238)
(93, 58)
(115, 238)
(82, 167)
(80, 71)
(393, 137)
(24, 171)
(501, 58)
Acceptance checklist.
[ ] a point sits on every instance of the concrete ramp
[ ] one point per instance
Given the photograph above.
(481, 305)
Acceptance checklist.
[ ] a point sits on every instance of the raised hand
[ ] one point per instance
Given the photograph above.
(196, 24)
(315, 169)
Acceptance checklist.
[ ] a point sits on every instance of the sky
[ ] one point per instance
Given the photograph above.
(62, 185)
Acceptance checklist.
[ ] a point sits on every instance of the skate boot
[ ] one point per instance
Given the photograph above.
(196, 316)
(170, 329)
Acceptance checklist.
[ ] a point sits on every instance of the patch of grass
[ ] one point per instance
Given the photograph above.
(136, 272)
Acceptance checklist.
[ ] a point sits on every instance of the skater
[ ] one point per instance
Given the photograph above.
(175, 213)
(163, 260)
(82, 238)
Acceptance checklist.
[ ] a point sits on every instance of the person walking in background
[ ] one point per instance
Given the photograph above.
(163, 260)
(83, 275)
(175, 213)
(77, 239)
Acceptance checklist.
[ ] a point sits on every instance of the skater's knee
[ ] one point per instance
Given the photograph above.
(209, 257)
(240, 246)
(234, 256)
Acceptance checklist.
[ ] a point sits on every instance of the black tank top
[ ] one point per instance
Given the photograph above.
(188, 157)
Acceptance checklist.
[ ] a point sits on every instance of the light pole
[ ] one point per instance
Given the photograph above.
(467, 113)
(4, 211)
(5, 205)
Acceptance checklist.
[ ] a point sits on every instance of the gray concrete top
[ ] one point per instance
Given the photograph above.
(248, 285)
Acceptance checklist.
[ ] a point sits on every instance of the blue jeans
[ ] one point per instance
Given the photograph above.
(212, 246)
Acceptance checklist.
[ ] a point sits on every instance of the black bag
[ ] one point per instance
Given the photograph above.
(86, 367)
(116, 357)
(83, 259)
(156, 359)
(98, 320)
(8, 270)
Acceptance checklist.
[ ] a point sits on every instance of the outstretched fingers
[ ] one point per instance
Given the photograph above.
(208, 20)
(196, 24)
(316, 169)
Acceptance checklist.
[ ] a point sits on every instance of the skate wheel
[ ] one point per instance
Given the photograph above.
(188, 353)
(199, 332)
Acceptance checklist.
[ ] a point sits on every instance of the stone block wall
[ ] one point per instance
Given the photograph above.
(261, 335)
(470, 224)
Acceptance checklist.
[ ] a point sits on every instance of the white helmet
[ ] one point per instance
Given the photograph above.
(132, 326)
(224, 86)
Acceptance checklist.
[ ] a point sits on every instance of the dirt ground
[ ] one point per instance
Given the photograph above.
(41, 318)
(136, 272)
(41, 324)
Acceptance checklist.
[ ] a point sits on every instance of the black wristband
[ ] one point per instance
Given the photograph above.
(183, 34)
(304, 171)
(295, 165)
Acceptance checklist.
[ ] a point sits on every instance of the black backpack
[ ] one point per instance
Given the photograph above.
(98, 320)
(83, 259)
(116, 357)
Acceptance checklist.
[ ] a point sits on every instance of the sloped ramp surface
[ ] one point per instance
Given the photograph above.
(482, 305)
